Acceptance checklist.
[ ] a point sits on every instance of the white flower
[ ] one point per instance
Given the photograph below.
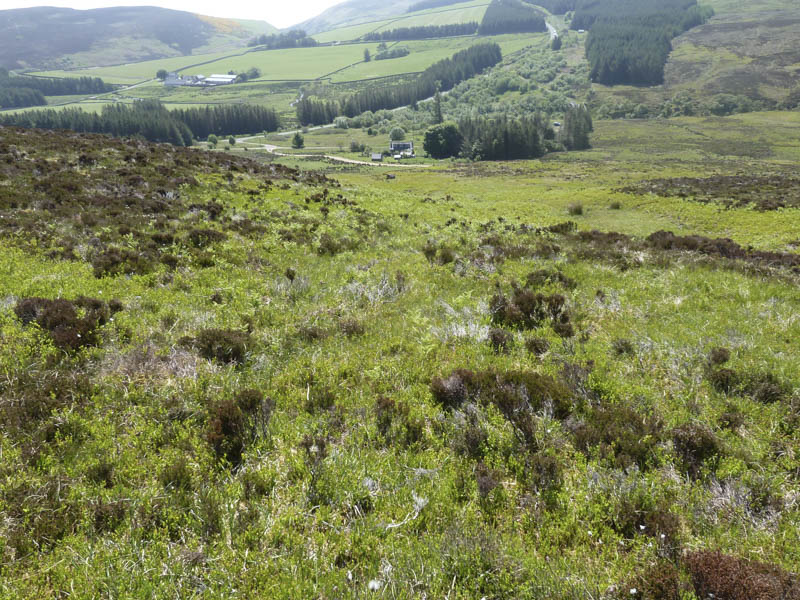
(634, 591)
(374, 585)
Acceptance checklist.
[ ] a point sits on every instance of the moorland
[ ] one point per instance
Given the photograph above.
(246, 368)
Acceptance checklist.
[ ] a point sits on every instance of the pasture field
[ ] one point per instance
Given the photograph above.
(129, 74)
(480, 378)
(426, 52)
(461, 13)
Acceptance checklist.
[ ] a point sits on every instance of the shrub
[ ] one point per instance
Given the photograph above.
(621, 434)
(177, 475)
(202, 238)
(470, 436)
(719, 356)
(615, 205)
(518, 395)
(60, 319)
(115, 261)
(223, 345)
(226, 431)
(716, 575)
(549, 276)
(351, 327)
(723, 380)
(38, 514)
(661, 581)
(526, 309)
(765, 387)
(694, 445)
(564, 329)
(102, 472)
(500, 340)
(537, 345)
(575, 209)
(622, 346)
(311, 333)
(395, 422)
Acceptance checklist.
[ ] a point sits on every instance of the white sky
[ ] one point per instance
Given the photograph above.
(280, 13)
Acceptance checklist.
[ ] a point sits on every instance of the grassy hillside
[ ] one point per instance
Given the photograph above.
(353, 12)
(745, 50)
(459, 13)
(65, 38)
(272, 383)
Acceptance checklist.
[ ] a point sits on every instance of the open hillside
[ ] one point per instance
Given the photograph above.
(462, 12)
(353, 12)
(743, 58)
(568, 378)
(47, 37)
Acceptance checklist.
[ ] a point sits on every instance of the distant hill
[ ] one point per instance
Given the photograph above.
(354, 12)
(46, 37)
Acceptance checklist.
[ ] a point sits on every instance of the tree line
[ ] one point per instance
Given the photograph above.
(442, 75)
(20, 98)
(297, 38)
(422, 32)
(393, 53)
(227, 119)
(21, 91)
(506, 138)
(629, 41)
(511, 16)
(152, 121)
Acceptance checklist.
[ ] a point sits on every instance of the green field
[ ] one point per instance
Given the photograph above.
(424, 53)
(461, 13)
(136, 72)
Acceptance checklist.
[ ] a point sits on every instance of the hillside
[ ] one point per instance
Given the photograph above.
(566, 378)
(47, 37)
(354, 12)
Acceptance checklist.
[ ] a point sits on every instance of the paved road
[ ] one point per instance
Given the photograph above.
(552, 30)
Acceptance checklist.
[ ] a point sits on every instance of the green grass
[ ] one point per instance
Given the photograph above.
(424, 53)
(353, 299)
(139, 71)
(461, 13)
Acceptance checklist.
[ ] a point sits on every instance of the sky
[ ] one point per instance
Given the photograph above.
(280, 13)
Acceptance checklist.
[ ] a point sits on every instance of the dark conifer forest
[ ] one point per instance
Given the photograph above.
(152, 121)
(19, 92)
(629, 40)
(296, 38)
(511, 16)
